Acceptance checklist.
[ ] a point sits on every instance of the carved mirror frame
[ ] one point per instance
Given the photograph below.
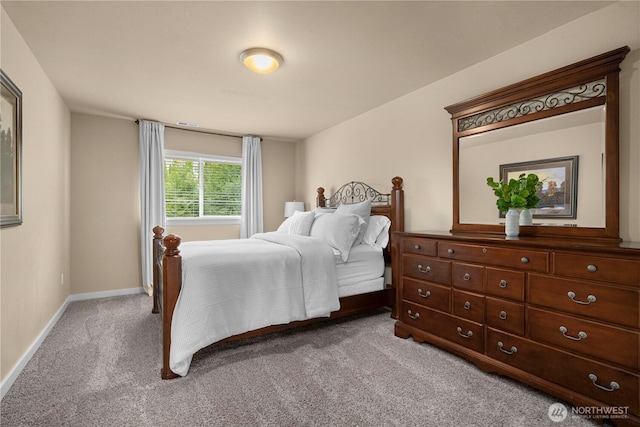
(585, 84)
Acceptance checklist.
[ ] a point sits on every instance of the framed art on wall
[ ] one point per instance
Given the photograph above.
(11, 153)
(558, 188)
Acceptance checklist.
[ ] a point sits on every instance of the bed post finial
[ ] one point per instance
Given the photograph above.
(320, 200)
(171, 243)
(157, 232)
(397, 183)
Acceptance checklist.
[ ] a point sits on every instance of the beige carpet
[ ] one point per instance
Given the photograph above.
(100, 366)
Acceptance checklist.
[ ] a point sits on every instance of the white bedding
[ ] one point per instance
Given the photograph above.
(234, 286)
(362, 287)
(365, 263)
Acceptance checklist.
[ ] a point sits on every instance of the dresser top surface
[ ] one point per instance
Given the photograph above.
(549, 243)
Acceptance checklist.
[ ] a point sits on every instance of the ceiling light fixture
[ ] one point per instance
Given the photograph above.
(261, 60)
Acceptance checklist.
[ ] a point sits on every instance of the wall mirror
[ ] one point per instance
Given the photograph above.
(562, 125)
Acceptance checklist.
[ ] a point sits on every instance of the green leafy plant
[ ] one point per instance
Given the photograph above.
(517, 193)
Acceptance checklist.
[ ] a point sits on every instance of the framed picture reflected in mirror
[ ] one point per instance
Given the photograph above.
(558, 188)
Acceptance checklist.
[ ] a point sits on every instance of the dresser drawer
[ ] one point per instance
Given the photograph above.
(427, 294)
(424, 268)
(467, 276)
(505, 315)
(621, 271)
(609, 343)
(520, 259)
(504, 283)
(469, 306)
(420, 247)
(596, 380)
(601, 302)
(451, 328)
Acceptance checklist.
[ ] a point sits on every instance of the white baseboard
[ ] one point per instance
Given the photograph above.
(106, 294)
(13, 375)
(17, 369)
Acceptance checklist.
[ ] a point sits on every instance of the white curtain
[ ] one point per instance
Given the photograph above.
(251, 187)
(151, 193)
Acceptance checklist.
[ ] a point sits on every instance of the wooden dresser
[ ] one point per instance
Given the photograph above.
(560, 316)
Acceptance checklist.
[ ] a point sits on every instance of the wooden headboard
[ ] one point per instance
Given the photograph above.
(390, 204)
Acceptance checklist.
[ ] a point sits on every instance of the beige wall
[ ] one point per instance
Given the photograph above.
(279, 184)
(411, 136)
(105, 197)
(105, 204)
(34, 255)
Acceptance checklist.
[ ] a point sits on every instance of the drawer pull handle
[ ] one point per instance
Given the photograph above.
(467, 276)
(613, 385)
(416, 247)
(450, 251)
(524, 260)
(590, 298)
(503, 315)
(581, 335)
(467, 305)
(467, 335)
(421, 269)
(592, 268)
(425, 295)
(514, 349)
(484, 250)
(411, 315)
(503, 283)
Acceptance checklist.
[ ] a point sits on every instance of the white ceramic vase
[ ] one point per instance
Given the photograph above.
(512, 226)
(526, 217)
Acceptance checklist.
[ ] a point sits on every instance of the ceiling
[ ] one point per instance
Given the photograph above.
(179, 61)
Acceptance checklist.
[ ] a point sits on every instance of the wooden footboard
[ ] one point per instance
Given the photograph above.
(167, 281)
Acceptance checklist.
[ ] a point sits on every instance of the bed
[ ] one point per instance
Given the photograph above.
(213, 291)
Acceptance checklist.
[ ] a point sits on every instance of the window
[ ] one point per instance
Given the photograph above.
(202, 188)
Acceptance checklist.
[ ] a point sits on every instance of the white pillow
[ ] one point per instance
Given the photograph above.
(363, 210)
(298, 224)
(284, 227)
(319, 210)
(377, 233)
(339, 231)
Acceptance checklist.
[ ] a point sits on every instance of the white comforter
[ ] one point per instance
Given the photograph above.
(234, 286)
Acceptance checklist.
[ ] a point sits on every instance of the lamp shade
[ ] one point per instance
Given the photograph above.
(291, 207)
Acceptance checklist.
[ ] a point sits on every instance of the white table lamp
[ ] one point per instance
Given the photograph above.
(291, 207)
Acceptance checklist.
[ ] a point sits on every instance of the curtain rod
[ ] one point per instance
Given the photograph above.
(198, 130)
